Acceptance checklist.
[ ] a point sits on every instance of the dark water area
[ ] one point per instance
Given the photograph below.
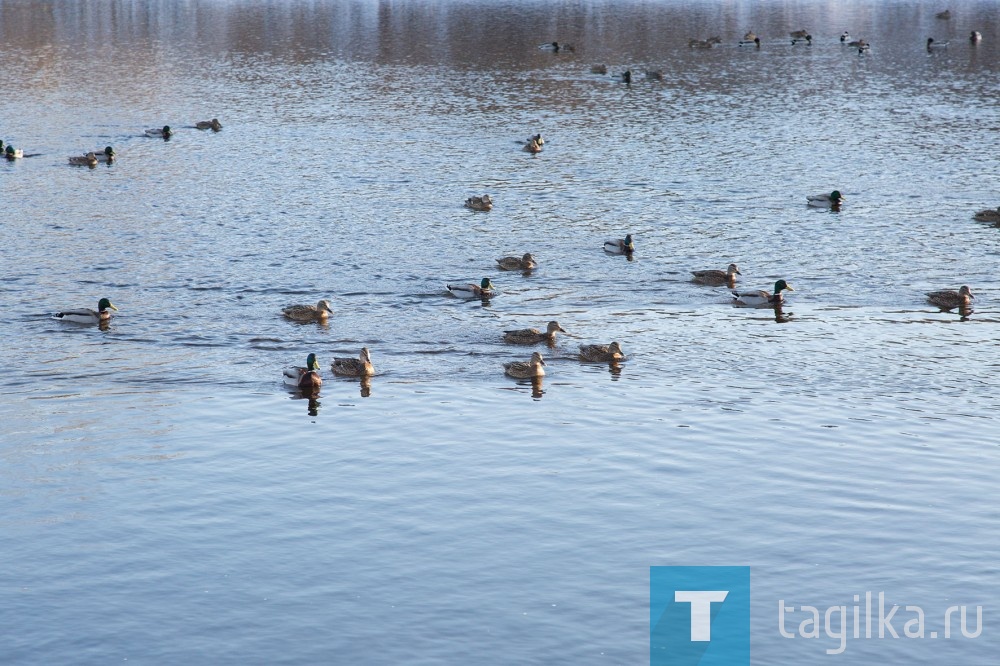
(167, 499)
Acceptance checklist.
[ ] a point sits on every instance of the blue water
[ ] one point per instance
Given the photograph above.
(166, 499)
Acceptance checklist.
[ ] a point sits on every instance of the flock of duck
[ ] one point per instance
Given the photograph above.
(108, 155)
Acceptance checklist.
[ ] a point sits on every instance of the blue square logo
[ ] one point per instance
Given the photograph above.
(699, 616)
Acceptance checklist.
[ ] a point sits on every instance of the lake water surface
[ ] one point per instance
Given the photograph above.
(166, 500)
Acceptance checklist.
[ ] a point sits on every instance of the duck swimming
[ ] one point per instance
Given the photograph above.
(988, 215)
(750, 38)
(525, 370)
(948, 300)
(162, 133)
(935, 46)
(524, 263)
(318, 312)
(354, 367)
(800, 35)
(530, 336)
(717, 278)
(90, 159)
(532, 146)
(86, 315)
(212, 124)
(762, 297)
(620, 246)
(483, 203)
(483, 290)
(107, 155)
(307, 378)
(825, 200)
(611, 353)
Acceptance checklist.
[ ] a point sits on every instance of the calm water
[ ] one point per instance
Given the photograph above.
(166, 500)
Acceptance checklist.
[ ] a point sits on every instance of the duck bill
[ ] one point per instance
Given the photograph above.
(111, 305)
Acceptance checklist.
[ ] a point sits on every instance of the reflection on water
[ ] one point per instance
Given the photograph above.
(353, 131)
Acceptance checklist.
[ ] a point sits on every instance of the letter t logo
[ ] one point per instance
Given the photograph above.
(701, 610)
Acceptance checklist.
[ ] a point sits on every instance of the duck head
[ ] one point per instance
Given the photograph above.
(104, 304)
(311, 362)
(780, 286)
(486, 284)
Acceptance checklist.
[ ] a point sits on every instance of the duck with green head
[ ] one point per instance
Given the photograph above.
(86, 315)
(825, 200)
(161, 132)
(483, 290)
(12, 153)
(306, 378)
(620, 245)
(107, 155)
(761, 296)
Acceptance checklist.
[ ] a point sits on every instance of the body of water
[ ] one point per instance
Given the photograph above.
(167, 500)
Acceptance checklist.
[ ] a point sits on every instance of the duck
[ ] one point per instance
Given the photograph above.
(611, 353)
(825, 200)
(12, 153)
(354, 367)
(526, 370)
(935, 46)
(654, 75)
(800, 35)
(107, 155)
(483, 203)
(212, 124)
(627, 76)
(844, 36)
(90, 159)
(716, 277)
(318, 312)
(525, 262)
(598, 69)
(988, 215)
(537, 139)
(530, 336)
(948, 300)
(532, 146)
(306, 378)
(859, 44)
(86, 315)
(975, 37)
(483, 290)
(556, 47)
(163, 132)
(945, 15)
(750, 38)
(762, 297)
(704, 43)
(620, 246)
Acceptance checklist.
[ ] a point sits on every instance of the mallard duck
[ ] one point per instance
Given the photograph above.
(844, 36)
(537, 139)
(354, 367)
(306, 378)
(611, 353)
(975, 37)
(825, 200)
(163, 132)
(523, 263)
(620, 246)
(90, 159)
(627, 76)
(86, 315)
(717, 277)
(533, 146)
(556, 47)
(12, 153)
(107, 155)
(988, 215)
(212, 124)
(530, 336)
(479, 203)
(800, 35)
(762, 297)
(522, 370)
(483, 290)
(945, 15)
(318, 312)
(750, 38)
(598, 69)
(947, 300)
(935, 46)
